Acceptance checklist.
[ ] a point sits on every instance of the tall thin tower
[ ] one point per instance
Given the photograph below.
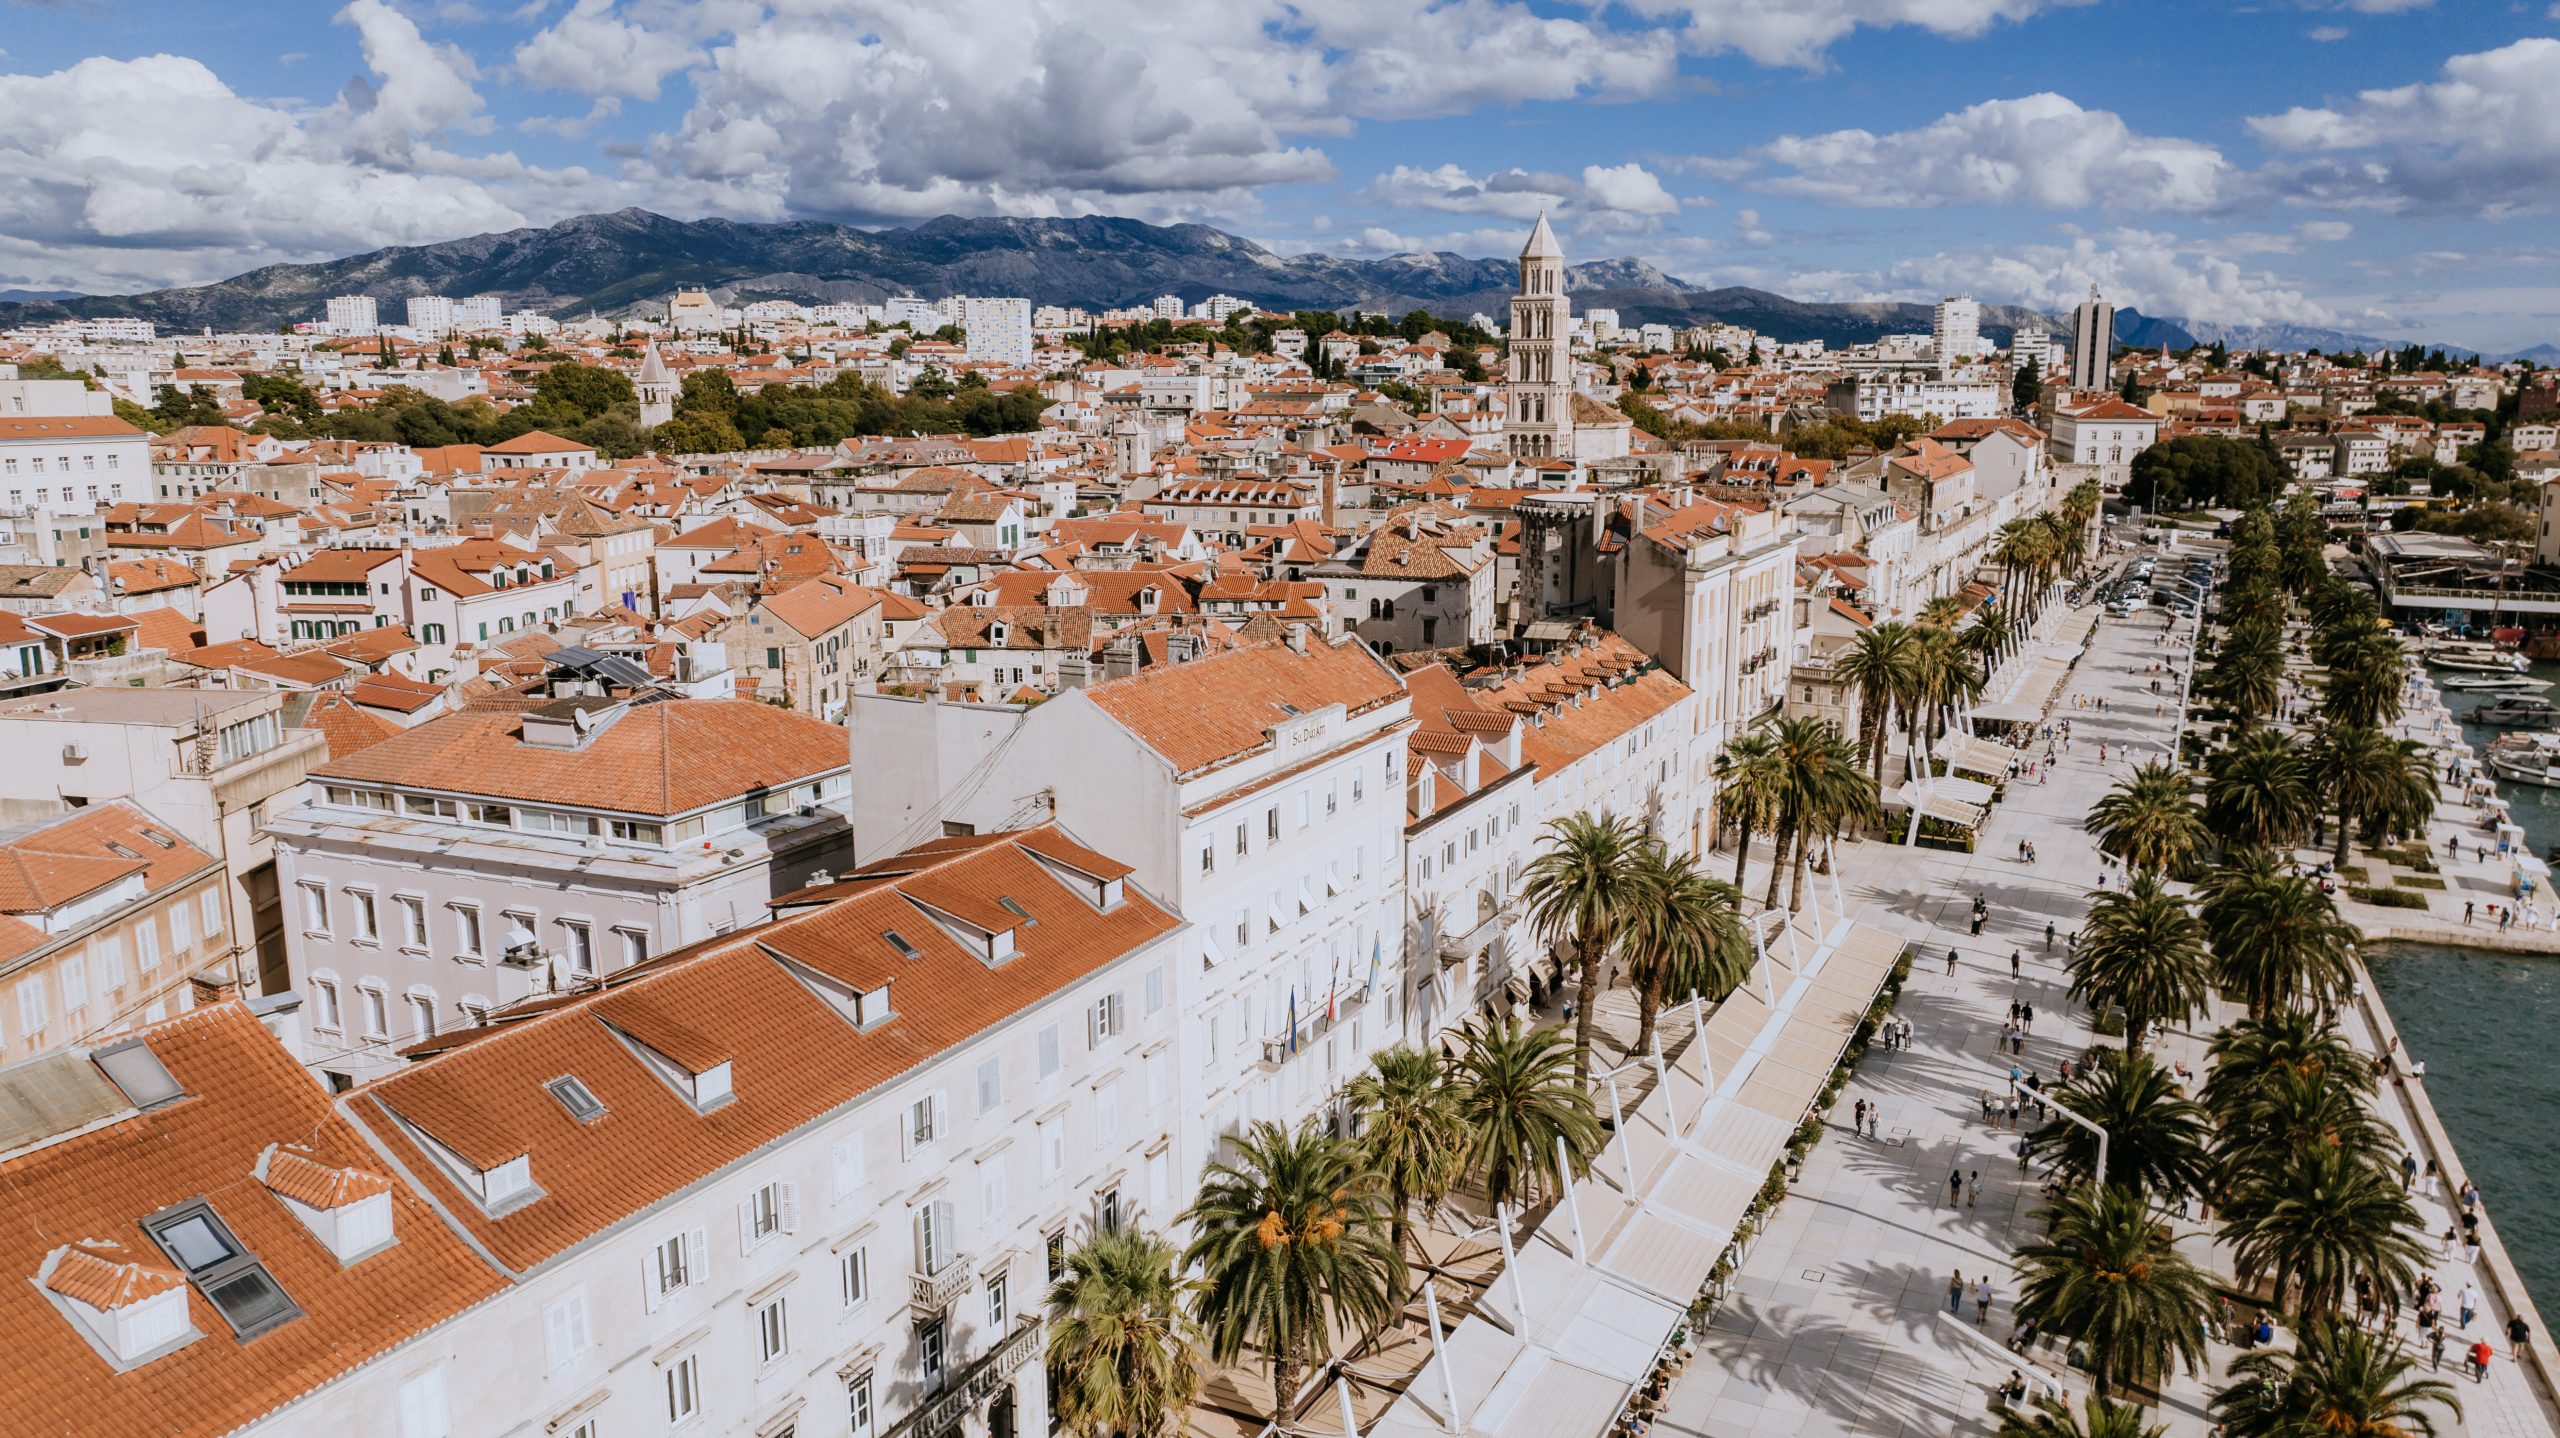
(1539, 381)
(2093, 341)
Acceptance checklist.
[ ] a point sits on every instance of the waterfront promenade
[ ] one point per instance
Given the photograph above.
(1837, 1323)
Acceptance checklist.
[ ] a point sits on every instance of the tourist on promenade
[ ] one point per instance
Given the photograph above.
(1955, 1195)
(1981, 1300)
(1951, 963)
(2467, 1303)
(1955, 1294)
(2481, 1353)
(2435, 1352)
(2408, 1171)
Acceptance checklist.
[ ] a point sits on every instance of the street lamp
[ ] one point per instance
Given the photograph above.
(2056, 1105)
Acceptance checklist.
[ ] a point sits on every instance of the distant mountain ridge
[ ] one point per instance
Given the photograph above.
(622, 262)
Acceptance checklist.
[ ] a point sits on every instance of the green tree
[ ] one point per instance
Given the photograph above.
(2156, 1136)
(1518, 1092)
(2143, 952)
(2338, 1382)
(2097, 1418)
(2190, 470)
(2276, 937)
(1293, 1234)
(1406, 1115)
(2026, 387)
(2351, 766)
(1748, 775)
(1879, 664)
(2148, 819)
(1823, 786)
(1687, 938)
(697, 432)
(2312, 1223)
(2109, 1275)
(709, 391)
(1124, 1352)
(2258, 1051)
(1581, 895)
(2257, 796)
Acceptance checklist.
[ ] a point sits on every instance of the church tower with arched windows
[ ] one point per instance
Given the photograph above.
(1538, 389)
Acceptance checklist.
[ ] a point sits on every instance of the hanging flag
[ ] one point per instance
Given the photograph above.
(1333, 991)
(1372, 990)
(1293, 1020)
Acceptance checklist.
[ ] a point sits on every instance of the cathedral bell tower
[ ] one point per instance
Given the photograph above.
(1538, 388)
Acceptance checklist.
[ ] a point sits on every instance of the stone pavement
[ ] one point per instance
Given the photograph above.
(1836, 1324)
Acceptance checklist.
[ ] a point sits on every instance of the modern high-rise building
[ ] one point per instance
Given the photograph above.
(2031, 346)
(352, 315)
(431, 314)
(1539, 388)
(1956, 334)
(997, 331)
(480, 312)
(2093, 340)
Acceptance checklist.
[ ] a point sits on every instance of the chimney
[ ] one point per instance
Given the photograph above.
(1331, 482)
(1295, 636)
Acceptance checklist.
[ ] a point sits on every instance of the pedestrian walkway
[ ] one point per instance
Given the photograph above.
(1839, 1323)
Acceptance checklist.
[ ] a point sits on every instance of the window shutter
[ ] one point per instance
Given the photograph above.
(560, 1346)
(791, 1208)
(941, 1115)
(1093, 1025)
(924, 1239)
(747, 1225)
(1119, 1013)
(652, 1281)
(945, 1225)
(907, 1133)
(697, 1256)
(848, 1165)
(581, 1332)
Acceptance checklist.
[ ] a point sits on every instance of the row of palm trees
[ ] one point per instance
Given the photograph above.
(1800, 782)
(1299, 1233)
(2282, 1139)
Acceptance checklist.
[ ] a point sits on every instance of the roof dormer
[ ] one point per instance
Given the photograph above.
(347, 1209)
(131, 1310)
(682, 1060)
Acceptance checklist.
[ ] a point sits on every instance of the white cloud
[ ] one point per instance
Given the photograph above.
(2484, 139)
(2042, 150)
(597, 53)
(117, 173)
(2327, 33)
(1798, 32)
(1615, 190)
(421, 89)
(1746, 223)
(2301, 237)
(2159, 274)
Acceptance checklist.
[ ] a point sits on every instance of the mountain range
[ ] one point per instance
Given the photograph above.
(625, 262)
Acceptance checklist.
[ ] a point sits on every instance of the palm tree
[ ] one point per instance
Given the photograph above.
(2338, 1382)
(1687, 938)
(2407, 797)
(2317, 1219)
(1990, 634)
(2351, 766)
(1824, 788)
(2284, 1112)
(1406, 1116)
(1878, 663)
(2145, 953)
(1941, 612)
(2054, 1418)
(2257, 796)
(1124, 1351)
(2255, 1052)
(2248, 671)
(2108, 1275)
(2365, 688)
(1942, 675)
(2275, 935)
(2079, 510)
(2156, 1135)
(1516, 1095)
(1748, 777)
(2148, 820)
(1293, 1234)
(1581, 895)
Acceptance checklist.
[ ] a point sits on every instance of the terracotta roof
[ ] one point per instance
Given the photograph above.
(108, 1276)
(346, 727)
(244, 1094)
(1220, 708)
(1562, 730)
(821, 605)
(80, 626)
(295, 1174)
(664, 758)
(793, 1058)
(537, 441)
(44, 427)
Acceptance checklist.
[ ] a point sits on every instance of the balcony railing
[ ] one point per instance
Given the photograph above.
(976, 1383)
(935, 1292)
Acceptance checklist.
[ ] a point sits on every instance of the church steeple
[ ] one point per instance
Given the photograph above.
(657, 388)
(1542, 242)
(1538, 394)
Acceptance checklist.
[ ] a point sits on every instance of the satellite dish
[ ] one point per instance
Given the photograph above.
(581, 720)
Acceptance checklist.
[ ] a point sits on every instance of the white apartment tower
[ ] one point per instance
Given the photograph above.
(1956, 332)
(431, 314)
(352, 315)
(2093, 339)
(997, 331)
(480, 312)
(2031, 347)
(1540, 388)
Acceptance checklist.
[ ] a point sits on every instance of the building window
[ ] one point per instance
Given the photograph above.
(772, 1209)
(315, 909)
(932, 1351)
(773, 1330)
(1053, 1148)
(684, 1389)
(377, 1013)
(990, 1085)
(228, 1275)
(368, 927)
(635, 945)
(466, 930)
(566, 1333)
(324, 1004)
(413, 920)
(857, 1397)
(209, 905)
(998, 1317)
(853, 1277)
(31, 1007)
(582, 947)
(422, 1015)
(424, 1412)
(1049, 1051)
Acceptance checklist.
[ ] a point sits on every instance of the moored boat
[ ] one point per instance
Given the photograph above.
(2517, 711)
(2494, 684)
(2525, 758)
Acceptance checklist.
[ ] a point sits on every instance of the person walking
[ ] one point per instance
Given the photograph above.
(1982, 1300)
(1973, 1189)
(2048, 936)
(2017, 958)
(2435, 1351)
(2519, 1333)
(2481, 1353)
(1955, 1187)
(1871, 1123)
(1951, 954)
(2467, 1303)
(2408, 1171)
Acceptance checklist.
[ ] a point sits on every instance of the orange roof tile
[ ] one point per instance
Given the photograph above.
(1220, 708)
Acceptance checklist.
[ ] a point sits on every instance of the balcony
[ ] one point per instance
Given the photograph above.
(976, 1383)
(1275, 1050)
(934, 1293)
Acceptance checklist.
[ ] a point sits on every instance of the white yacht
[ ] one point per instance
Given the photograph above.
(2526, 758)
(2475, 656)
(2494, 684)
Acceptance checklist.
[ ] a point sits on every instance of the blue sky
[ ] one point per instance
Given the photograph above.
(2384, 166)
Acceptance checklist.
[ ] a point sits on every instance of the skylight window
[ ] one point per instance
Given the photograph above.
(229, 1277)
(163, 840)
(899, 942)
(1016, 910)
(575, 1096)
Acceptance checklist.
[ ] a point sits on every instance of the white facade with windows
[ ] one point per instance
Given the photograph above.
(71, 464)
